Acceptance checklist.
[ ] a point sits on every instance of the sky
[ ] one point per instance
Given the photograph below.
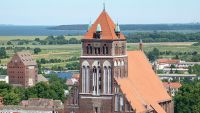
(67, 12)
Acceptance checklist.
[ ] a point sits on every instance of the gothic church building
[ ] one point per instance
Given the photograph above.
(112, 79)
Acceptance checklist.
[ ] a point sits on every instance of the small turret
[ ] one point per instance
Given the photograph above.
(117, 30)
(89, 26)
(98, 28)
(141, 45)
(98, 33)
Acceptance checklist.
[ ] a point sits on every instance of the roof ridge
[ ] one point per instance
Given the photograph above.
(107, 16)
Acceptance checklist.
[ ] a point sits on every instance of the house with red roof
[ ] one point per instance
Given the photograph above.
(172, 87)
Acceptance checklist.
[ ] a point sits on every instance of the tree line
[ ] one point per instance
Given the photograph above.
(162, 37)
(56, 40)
(45, 61)
(192, 56)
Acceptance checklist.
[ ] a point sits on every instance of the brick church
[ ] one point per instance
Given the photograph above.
(112, 79)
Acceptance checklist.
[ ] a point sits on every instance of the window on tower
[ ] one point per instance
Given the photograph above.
(116, 49)
(105, 49)
(99, 50)
(89, 49)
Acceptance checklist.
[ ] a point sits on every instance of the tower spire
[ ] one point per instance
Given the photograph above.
(104, 6)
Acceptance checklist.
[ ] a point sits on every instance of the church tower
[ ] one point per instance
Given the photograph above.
(108, 83)
(103, 58)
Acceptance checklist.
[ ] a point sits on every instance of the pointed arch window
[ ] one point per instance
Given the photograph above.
(109, 80)
(94, 80)
(105, 90)
(83, 79)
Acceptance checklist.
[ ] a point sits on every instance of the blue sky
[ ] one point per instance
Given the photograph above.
(59, 12)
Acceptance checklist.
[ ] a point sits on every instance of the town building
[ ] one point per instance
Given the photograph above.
(42, 104)
(22, 70)
(35, 105)
(174, 65)
(112, 79)
(172, 87)
(179, 77)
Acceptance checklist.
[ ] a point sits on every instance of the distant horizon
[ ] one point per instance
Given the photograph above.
(120, 24)
(70, 12)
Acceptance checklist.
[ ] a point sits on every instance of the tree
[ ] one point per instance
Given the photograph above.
(153, 55)
(11, 99)
(156, 52)
(73, 41)
(3, 53)
(57, 87)
(9, 43)
(187, 100)
(176, 57)
(196, 58)
(73, 66)
(37, 39)
(3, 71)
(43, 61)
(195, 69)
(37, 50)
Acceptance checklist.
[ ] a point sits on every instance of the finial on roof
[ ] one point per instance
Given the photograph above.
(117, 28)
(98, 28)
(89, 25)
(104, 6)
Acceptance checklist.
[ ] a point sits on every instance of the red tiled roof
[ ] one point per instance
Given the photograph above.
(142, 87)
(107, 26)
(174, 85)
(168, 61)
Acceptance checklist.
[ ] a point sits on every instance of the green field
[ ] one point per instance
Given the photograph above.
(67, 51)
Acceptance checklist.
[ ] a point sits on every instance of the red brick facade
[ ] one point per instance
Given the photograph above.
(22, 70)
